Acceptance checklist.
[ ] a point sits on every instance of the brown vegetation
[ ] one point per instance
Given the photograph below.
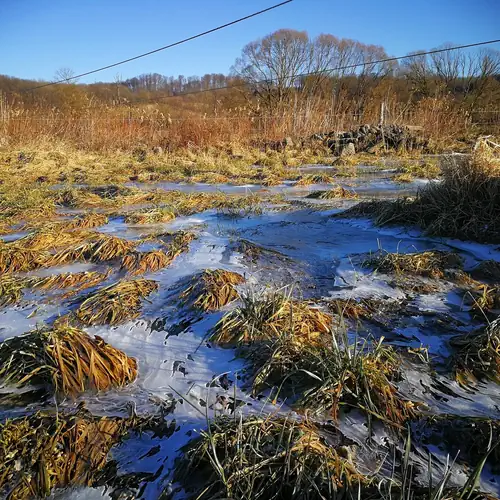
(116, 303)
(212, 289)
(45, 451)
(65, 359)
(464, 205)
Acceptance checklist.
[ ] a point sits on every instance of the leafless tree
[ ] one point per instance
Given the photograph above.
(66, 75)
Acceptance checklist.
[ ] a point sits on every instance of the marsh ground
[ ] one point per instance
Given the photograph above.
(118, 250)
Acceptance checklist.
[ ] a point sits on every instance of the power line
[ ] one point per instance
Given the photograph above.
(199, 35)
(328, 70)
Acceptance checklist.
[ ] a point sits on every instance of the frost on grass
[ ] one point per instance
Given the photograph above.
(65, 360)
(269, 458)
(116, 303)
(212, 289)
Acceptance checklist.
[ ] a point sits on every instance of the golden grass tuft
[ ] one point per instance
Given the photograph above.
(150, 216)
(102, 248)
(308, 179)
(14, 258)
(77, 281)
(403, 178)
(336, 192)
(464, 205)
(65, 359)
(478, 355)
(53, 239)
(432, 264)
(269, 314)
(212, 289)
(116, 303)
(269, 458)
(45, 451)
(11, 289)
(352, 309)
(88, 221)
(142, 262)
(322, 377)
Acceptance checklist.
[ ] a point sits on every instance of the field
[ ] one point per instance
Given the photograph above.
(261, 326)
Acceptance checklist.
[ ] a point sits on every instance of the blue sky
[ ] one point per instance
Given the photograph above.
(39, 36)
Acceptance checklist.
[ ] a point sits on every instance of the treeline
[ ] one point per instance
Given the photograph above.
(286, 83)
(287, 65)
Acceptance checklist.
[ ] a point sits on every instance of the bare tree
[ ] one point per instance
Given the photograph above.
(65, 74)
(272, 65)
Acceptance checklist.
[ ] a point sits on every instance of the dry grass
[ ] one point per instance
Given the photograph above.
(54, 238)
(116, 303)
(321, 378)
(352, 309)
(403, 178)
(102, 248)
(478, 355)
(336, 192)
(308, 179)
(267, 315)
(433, 263)
(11, 289)
(46, 451)
(212, 289)
(15, 259)
(269, 458)
(78, 281)
(150, 216)
(464, 205)
(65, 359)
(88, 221)
(138, 263)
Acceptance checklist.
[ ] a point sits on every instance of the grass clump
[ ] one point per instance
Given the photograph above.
(11, 289)
(212, 289)
(269, 458)
(478, 355)
(308, 179)
(336, 192)
(54, 238)
(432, 264)
(464, 205)
(65, 359)
(403, 178)
(78, 281)
(45, 451)
(102, 248)
(138, 263)
(116, 303)
(324, 376)
(266, 315)
(14, 258)
(150, 216)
